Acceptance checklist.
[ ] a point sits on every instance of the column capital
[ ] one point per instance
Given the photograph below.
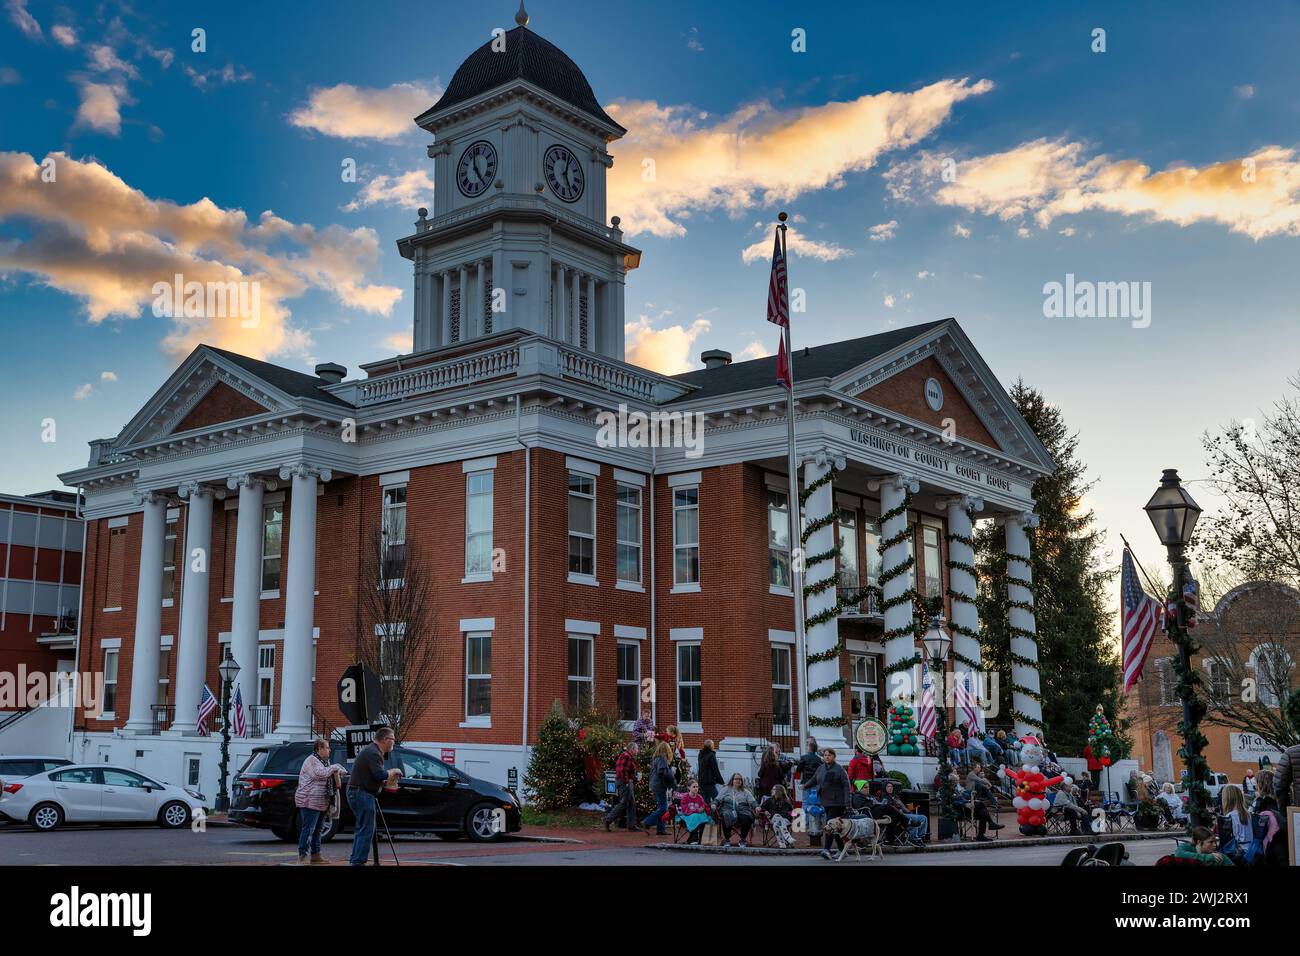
(192, 489)
(824, 457)
(899, 482)
(304, 469)
(963, 502)
(247, 479)
(143, 497)
(1026, 519)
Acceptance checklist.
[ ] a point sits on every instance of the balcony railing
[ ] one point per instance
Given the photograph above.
(604, 373)
(451, 373)
(261, 720)
(863, 598)
(162, 717)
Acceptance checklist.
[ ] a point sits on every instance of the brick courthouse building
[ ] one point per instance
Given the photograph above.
(565, 567)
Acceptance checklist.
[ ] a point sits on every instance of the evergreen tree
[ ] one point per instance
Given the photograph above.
(555, 776)
(1078, 664)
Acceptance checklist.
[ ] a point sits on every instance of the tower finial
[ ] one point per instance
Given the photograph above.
(521, 17)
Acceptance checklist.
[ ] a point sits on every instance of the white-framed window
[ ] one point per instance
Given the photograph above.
(478, 674)
(1218, 678)
(164, 676)
(686, 535)
(582, 525)
(688, 683)
(478, 523)
(265, 675)
(193, 766)
(581, 678)
(781, 686)
(169, 560)
(628, 675)
(1272, 667)
(393, 533)
(628, 532)
(272, 545)
(863, 693)
(931, 553)
(110, 683)
(778, 539)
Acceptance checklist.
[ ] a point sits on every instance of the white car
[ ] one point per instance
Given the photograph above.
(96, 793)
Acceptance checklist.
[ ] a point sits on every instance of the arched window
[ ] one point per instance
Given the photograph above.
(1272, 667)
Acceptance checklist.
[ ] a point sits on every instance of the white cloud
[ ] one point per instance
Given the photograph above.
(107, 376)
(755, 350)
(1257, 195)
(352, 112)
(1245, 91)
(669, 349)
(101, 105)
(759, 154)
(102, 58)
(1023, 233)
(797, 245)
(22, 19)
(884, 231)
(409, 190)
(226, 75)
(693, 41)
(399, 343)
(97, 238)
(960, 231)
(889, 301)
(83, 392)
(64, 35)
(925, 274)
(1068, 231)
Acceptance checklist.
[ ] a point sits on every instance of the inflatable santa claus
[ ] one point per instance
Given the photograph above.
(1031, 788)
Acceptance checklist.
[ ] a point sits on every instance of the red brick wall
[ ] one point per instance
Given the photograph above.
(221, 404)
(904, 392)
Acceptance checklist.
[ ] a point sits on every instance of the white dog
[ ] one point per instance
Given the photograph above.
(856, 832)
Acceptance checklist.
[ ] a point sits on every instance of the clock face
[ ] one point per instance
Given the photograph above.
(477, 168)
(563, 173)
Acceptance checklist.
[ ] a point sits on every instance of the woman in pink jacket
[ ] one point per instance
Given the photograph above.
(312, 801)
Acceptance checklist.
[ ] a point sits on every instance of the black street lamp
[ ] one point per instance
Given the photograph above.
(1173, 514)
(938, 643)
(229, 670)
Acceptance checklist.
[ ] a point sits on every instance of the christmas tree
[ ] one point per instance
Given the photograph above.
(1100, 737)
(903, 738)
(555, 776)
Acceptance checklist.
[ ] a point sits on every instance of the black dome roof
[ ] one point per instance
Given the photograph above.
(528, 57)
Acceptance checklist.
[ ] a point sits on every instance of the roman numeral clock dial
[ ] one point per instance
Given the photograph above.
(563, 173)
(477, 168)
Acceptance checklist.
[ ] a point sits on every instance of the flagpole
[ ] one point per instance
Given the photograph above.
(1130, 550)
(792, 467)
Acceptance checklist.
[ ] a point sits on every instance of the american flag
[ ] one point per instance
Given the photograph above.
(1140, 616)
(778, 296)
(783, 366)
(207, 706)
(970, 710)
(240, 724)
(927, 721)
(1192, 598)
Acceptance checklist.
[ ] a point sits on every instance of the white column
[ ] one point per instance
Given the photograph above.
(480, 289)
(419, 303)
(246, 612)
(192, 654)
(299, 600)
(961, 584)
(561, 305)
(576, 337)
(1023, 625)
(464, 304)
(148, 614)
(900, 640)
(824, 637)
(593, 327)
(445, 279)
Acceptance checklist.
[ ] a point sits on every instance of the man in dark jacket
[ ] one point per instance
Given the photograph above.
(368, 776)
(832, 785)
(1287, 777)
(625, 779)
(810, 761)
(709, 775)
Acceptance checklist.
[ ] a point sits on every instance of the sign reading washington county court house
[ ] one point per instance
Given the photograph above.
(935, 461)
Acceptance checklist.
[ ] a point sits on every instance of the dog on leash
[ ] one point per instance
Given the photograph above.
(857, 833)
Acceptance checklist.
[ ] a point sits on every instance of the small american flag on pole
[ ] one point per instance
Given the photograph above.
(1140, 616)
(240, 723)
(207, 706)
(783, 366)
(927, 721)
(778, 296)
(970, 710)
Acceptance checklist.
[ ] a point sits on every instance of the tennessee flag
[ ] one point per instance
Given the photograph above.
(783, 366)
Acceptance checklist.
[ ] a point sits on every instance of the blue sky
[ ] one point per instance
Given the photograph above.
(1120, 165)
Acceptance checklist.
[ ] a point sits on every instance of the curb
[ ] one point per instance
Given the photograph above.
(934, 848)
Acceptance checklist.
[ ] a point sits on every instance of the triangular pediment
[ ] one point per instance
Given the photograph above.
(970, 399)
(206, 390)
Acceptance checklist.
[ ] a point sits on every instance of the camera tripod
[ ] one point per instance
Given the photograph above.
(379, 811)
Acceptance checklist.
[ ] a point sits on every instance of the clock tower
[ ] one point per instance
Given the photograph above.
(518, 238)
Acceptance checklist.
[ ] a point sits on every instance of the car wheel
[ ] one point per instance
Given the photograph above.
(479, 824)
(174, 815)
(46, 817)
(288, 834)
(332, 828)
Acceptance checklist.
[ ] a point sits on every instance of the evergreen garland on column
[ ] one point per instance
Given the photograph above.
(957, 596)
(917, 628)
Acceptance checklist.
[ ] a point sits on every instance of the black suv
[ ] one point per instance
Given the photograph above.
(431, 798)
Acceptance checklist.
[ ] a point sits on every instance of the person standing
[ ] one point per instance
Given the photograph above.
(662, 776)
(770, 773)
(861, 771)
(312, 801)
(832, 785)
(810, 761)
(709, 775)
(625, 779)
(368, 776)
